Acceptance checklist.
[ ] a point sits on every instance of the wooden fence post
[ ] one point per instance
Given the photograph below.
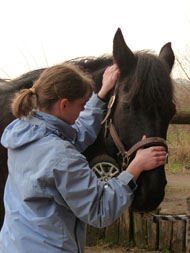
(112, 233)
(178, 237)
(92, 235)
(152, 232)
(140, 230)
(165, 234)
(188, 226)
(125, 229)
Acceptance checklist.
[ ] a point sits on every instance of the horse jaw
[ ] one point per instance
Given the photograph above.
(167, 54)
(122, 55)
(149, 196)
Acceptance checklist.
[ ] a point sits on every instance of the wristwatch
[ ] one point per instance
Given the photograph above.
(132, 185)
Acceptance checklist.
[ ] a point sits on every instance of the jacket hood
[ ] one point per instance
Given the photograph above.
(21, 132)
(24, 131)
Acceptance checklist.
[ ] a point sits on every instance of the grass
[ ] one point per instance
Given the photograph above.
(178, 136)
(178, 139)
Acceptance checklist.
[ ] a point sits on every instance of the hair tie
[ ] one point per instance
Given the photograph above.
(33, 90)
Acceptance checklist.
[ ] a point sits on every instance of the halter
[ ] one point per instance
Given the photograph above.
(126, 155)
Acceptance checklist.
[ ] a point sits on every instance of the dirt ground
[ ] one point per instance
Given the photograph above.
(177, 190)
(116, 250)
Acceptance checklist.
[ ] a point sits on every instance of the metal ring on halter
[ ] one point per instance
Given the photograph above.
(126, 160)
(111, 102)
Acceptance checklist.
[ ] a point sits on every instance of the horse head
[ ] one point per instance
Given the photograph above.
(143, 106)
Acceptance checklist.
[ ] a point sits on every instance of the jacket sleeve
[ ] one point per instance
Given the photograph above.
(88, 124)
(88, 198)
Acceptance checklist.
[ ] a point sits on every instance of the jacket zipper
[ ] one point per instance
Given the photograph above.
(75, 233)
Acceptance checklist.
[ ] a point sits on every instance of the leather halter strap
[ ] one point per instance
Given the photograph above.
(110, 104)
(126, 155)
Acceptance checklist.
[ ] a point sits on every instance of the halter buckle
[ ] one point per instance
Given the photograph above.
(125, 159)
(111, 102)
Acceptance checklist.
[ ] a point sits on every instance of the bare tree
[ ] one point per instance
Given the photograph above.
(183, 64)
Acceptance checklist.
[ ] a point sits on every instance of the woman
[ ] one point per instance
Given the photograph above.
(51, 193)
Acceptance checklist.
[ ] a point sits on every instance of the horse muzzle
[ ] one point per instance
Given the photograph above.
(151, 190)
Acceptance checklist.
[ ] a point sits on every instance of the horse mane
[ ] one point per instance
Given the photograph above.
(92, 63)
(94, 66)
(24, 81)
(149, 83)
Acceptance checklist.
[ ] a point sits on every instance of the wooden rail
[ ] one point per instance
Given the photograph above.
(182, 117)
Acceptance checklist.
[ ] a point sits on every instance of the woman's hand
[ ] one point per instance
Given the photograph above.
(110, 77)
(147, 159)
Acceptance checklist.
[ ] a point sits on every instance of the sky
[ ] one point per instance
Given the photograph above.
(41, 33)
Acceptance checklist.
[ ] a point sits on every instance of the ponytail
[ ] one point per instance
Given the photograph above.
(23, 103)
(60, 81)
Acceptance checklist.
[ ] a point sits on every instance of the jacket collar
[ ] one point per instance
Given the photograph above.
(58, 126)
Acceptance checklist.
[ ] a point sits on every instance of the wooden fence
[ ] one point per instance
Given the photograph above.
(134, 229)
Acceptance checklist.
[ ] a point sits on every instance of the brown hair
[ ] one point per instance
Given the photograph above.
(60, 81)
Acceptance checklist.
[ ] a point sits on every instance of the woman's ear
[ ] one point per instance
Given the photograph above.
(63, 104)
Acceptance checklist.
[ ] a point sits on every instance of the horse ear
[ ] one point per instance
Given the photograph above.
(167, 54)
(122, 55)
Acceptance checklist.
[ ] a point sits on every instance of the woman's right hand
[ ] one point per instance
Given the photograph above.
(147, 159)
(110, 78)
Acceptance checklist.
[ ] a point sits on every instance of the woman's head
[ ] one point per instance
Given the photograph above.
(63, 81)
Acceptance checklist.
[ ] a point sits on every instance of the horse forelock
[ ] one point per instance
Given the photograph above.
(149, 83)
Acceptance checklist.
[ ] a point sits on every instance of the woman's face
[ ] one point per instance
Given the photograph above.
(71, 110)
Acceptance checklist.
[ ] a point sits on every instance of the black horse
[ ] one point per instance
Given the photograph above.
(143, 106)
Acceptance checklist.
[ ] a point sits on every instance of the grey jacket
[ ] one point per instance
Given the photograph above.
(51, 193)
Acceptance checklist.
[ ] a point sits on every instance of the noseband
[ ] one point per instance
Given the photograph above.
(126, 155)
